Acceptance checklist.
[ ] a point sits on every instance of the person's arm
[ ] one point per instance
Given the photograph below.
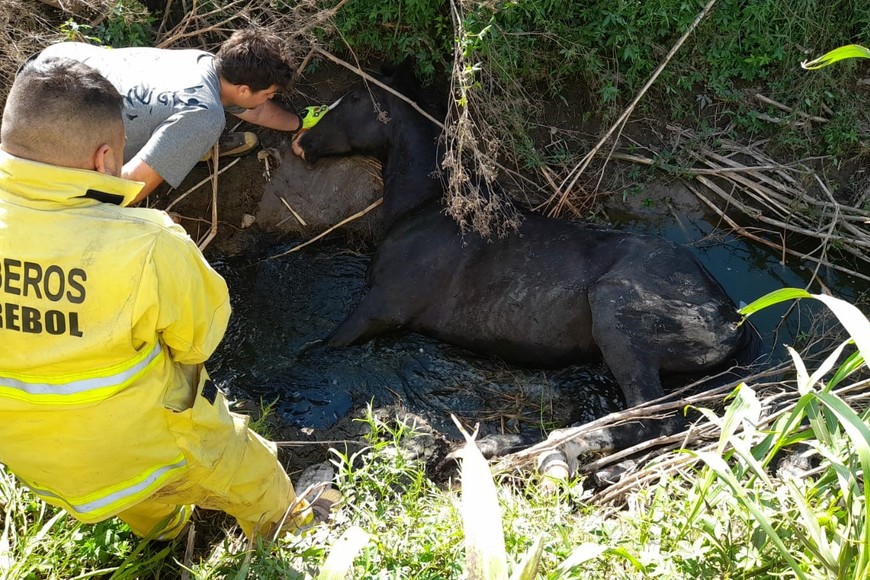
(272, 116)
(192, 298)
(138, 170)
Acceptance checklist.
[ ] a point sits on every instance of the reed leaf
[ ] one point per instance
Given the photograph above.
(841, 53)
(485, 556)
(340, 560)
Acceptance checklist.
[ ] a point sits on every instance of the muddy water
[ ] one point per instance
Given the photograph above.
(282, 305)
(747, 270)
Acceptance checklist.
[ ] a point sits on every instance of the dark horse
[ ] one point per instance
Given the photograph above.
(553, 293)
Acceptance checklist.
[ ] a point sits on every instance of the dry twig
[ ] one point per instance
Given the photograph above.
(212, 232)
(747, 182)
(571, 179)
(347, 220)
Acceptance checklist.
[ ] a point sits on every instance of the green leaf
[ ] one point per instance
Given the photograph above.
(485, 556)
(340, 560)
(841, 53)
(528, 567)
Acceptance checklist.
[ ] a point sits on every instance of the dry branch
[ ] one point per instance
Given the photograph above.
(346, 220)
(75, 7)
(373, 80)
(788, 200)
(571, 179)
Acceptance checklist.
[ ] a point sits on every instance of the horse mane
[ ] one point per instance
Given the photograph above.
(402, 78)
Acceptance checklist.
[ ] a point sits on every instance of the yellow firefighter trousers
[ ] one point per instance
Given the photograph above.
(230, 468)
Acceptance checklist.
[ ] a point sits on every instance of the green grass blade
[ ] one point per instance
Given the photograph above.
(772, 298)
(841, 53)
(579, 555)
(723, 472)
(744, 410)
(859, 434)
(849, 366)
(340, 560)
(819, 544)
(528, 567)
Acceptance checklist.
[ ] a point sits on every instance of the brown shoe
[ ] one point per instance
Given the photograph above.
(234, 144)
(325, 504)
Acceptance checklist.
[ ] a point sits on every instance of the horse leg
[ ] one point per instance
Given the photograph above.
(619, 332)
(370, 318)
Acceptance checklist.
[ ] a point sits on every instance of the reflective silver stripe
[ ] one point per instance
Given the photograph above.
(83, 385)
(118, 496)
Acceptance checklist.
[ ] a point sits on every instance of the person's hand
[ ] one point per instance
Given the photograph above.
(294, 145)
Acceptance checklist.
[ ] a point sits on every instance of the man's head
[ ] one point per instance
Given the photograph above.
(254, 60)
(62, 112)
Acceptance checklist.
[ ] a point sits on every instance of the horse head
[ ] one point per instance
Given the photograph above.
(365, 120)
(369, 120)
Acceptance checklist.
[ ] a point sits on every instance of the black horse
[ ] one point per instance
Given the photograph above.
(552, 294)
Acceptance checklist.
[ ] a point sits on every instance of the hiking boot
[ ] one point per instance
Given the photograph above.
(314, 506)
(325, 504)
(234, 144)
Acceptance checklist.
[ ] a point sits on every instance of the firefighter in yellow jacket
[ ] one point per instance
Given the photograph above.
(107, 314)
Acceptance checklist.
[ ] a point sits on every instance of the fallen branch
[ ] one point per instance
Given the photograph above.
(787, 109)
(212, 232)
(347, 220)
(651, 410)
(575, 173)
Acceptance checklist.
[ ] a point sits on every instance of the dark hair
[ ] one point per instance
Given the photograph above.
(256, 58)
(59, 110)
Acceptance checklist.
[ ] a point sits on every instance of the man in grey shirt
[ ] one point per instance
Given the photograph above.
(175, 99)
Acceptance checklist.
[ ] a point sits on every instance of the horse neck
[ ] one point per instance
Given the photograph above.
(409, 174)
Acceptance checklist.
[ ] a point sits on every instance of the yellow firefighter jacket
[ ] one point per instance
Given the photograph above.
(106, 314)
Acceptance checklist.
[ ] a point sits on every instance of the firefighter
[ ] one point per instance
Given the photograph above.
(107, 314)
